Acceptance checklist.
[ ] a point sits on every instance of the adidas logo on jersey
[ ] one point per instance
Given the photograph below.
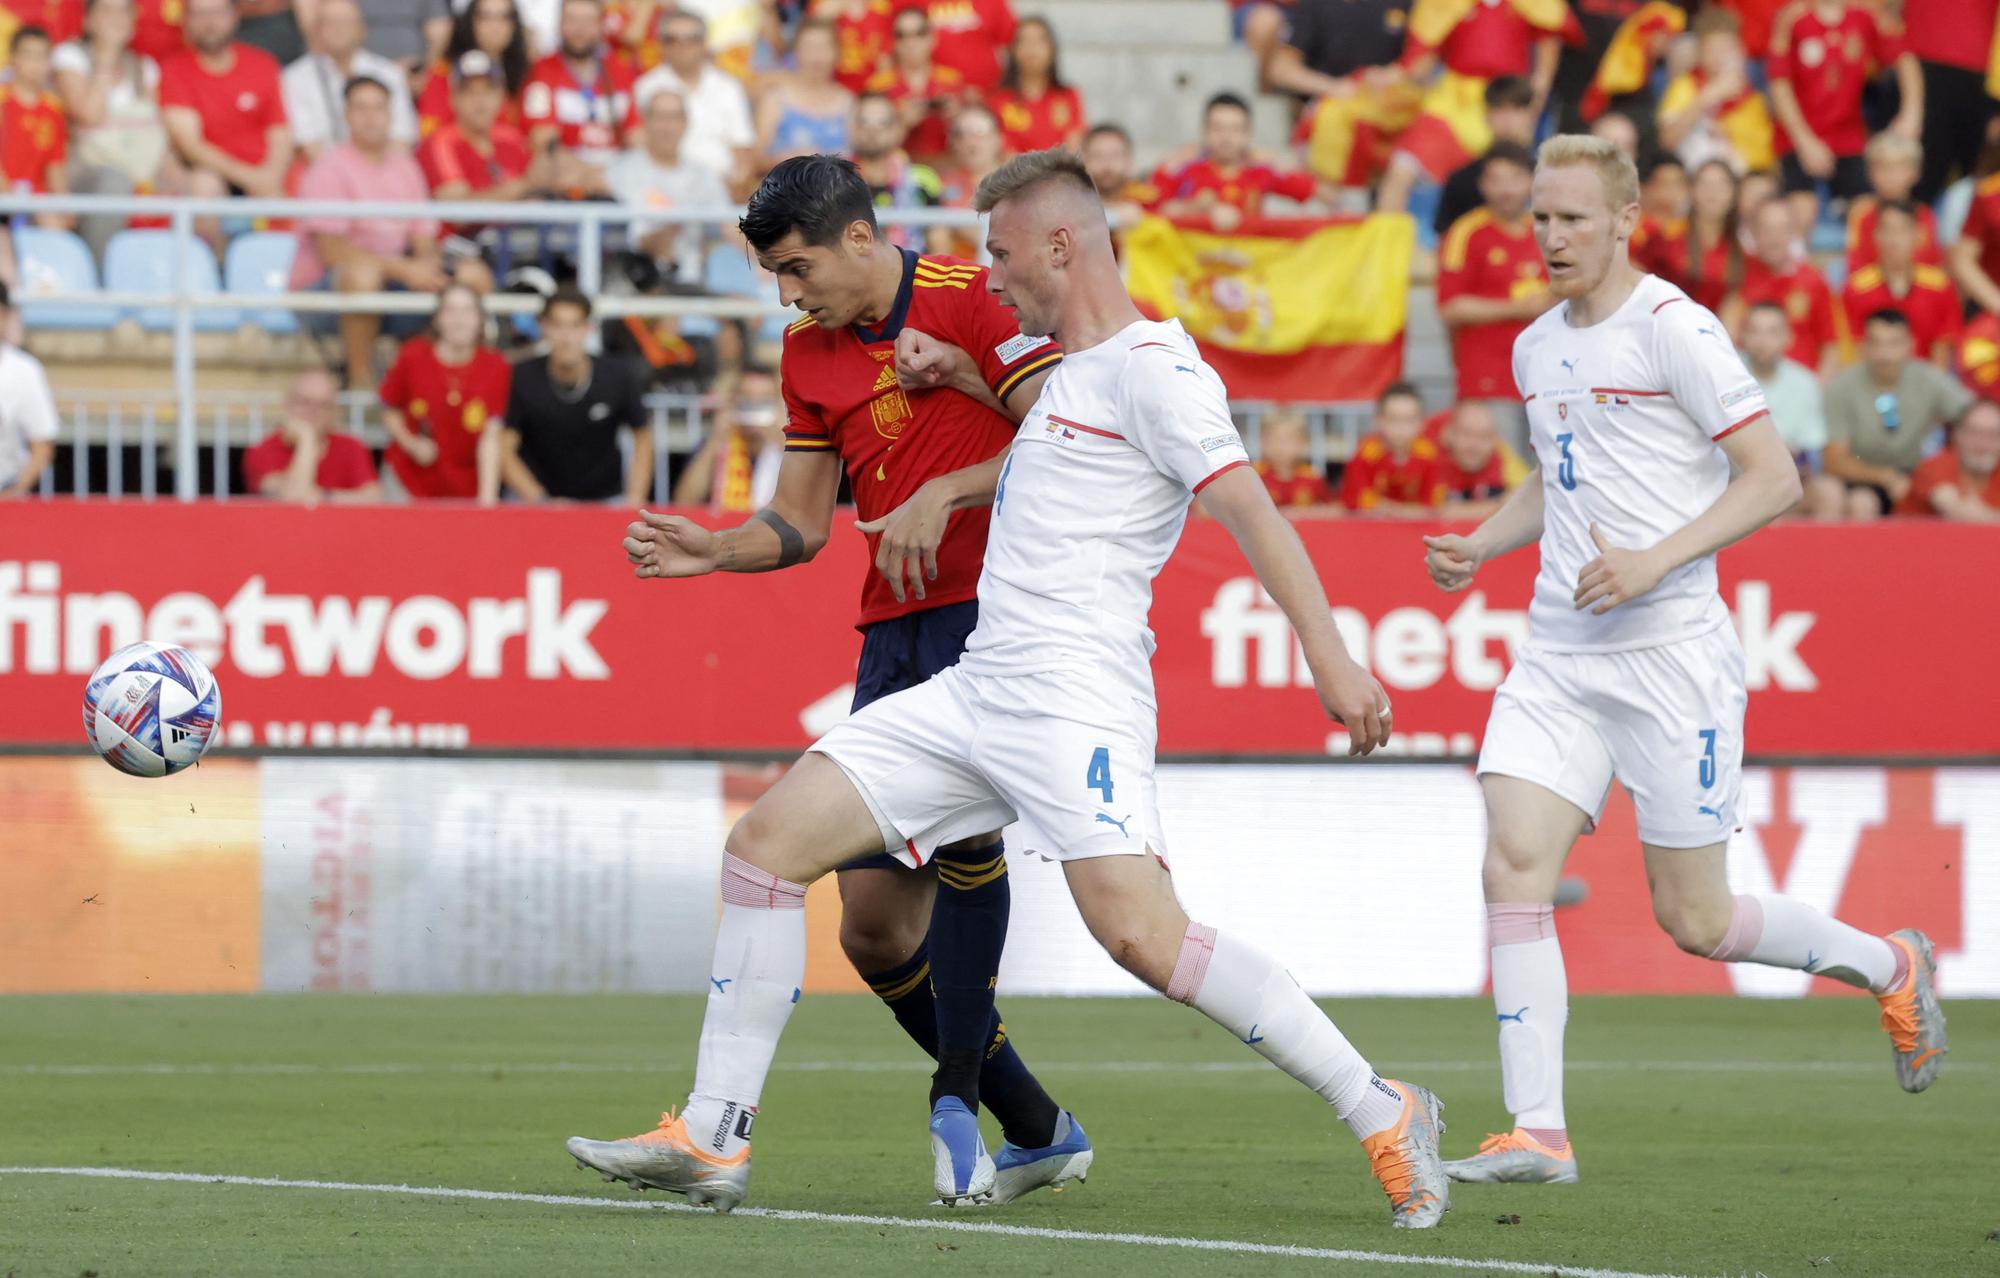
(886, 379)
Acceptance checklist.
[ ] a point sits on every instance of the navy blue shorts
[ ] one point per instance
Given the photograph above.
(901, 653)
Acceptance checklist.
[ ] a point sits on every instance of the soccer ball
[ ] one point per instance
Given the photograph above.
(151, 709)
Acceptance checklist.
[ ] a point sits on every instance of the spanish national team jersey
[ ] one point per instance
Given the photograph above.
(1624, 416)
(1090, 505)
(841, 394)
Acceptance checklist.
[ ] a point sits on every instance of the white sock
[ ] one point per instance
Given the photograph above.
(1531, 1003)
(760, 962)
(1780, 932)
(1244, 991)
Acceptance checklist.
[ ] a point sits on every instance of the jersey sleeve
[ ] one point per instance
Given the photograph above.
(1702, 371)
(1455, 259)
(395, 391)
(1176, 412)
(1296, 186)
(805, 429)
(988, 332)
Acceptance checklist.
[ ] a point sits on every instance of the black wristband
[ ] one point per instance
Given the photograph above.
(791, 545)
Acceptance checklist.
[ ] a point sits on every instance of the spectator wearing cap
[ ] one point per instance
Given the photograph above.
(313, 85)
(490, 27)
(28, 422)
(655, 177)
(305, 459)
(1883, 414)
(580, 98)
(927, 95)
(1963, 482)
(225, 111)
(370, 254)
(477, 155)
(721, 135)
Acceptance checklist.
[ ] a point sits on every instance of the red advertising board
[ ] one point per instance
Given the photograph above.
(524, 629)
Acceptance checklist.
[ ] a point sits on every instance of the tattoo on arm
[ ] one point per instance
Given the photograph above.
(791, 545)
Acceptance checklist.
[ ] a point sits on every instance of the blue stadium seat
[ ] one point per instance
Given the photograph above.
(730, 272)
(57, 264)
(143, 262)
(259, 264)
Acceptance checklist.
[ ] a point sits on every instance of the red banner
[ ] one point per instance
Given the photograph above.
(524, 629)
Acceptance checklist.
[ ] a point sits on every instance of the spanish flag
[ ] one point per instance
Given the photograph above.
(1283, 309)
(1628, 59)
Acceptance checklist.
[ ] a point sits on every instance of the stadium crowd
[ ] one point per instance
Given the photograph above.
(1824, 174)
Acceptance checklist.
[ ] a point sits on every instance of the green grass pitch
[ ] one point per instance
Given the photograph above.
(1715, 1137)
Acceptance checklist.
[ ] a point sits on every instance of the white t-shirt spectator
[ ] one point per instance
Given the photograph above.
(27, 410)
(316, 103)
(1797, 409)
(130, 138)
(638, 181)
(718, 113)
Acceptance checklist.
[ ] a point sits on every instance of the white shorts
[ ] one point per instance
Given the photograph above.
(960, 755)
(1665, 721)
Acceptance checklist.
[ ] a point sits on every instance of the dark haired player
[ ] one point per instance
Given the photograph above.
(921, 464)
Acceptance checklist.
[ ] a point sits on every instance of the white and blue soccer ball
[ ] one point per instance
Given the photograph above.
(151, 709)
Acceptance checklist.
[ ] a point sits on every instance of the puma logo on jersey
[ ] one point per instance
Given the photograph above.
(1569, 366)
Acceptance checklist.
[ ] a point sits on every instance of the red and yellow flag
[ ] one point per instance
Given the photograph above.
(1628, 59)
(1283, 309)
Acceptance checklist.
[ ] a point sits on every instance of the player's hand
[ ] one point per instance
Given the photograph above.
(1615, 576)
(925, 363)
(1451, 561)
(669, 546)
(1355, 700)
(421, 449)
(1815, 157)
(907, 554)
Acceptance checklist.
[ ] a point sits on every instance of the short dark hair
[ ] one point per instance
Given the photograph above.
(1114, 130)
(1399, 390)
(26, 34)
(1224, 99)
(362, 82)
(1776, 308)
(1509, 91)
(568, 295)
(1905, 207)
(819, 196)
(1893, 318)
(1665, 160)
(1507, 153)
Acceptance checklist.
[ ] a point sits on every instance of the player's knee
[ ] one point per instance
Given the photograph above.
(1513, 870)
(758, 838)
(1695, 927)
(876, 942)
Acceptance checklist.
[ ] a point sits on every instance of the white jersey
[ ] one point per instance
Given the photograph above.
(1623, 416)
(1091, 502)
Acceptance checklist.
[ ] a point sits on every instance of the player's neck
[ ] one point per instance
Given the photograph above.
(1090, 316)
(1602, 302)
(883, 288)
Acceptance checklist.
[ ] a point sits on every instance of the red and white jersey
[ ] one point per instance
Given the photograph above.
(1624, 416)
(1091, 502)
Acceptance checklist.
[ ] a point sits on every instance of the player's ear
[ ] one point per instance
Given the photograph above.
(860, 237)
(1628, 221)
(1062, 241)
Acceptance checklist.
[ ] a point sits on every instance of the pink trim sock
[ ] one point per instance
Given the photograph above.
(1746, 928)
(744, 884)
(1191, 965)
(1513, 924)
(1902, 968)
(1555, 1138)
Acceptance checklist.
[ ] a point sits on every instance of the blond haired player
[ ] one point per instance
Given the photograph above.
(1639, 410)
(1049, 720)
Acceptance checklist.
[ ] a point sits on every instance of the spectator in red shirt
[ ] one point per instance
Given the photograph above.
(1894, 163)
(443, 402)
(926, 94)
(1223, 183)
(225, 112)
(1472, 466)
(1036, 109)
(1296, 486)
(156, 29)
(1897, 281)
(1820, 337)
(861, 37)
(62, 20)
(306, 459)
(1975, 258)
(1823, 54)
(1491, 284)
(494, 29)
(1962, 482)
(1395, 469)
(970, 36)
(34, 132)
(475, 156)
(580, 98)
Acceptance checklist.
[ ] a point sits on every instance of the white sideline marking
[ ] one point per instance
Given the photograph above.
(1412, 1068)
(843, 1218)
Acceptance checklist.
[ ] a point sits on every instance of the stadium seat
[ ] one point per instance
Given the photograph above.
(143, 262)
(259, 264)
(729, 272)
(58, 264)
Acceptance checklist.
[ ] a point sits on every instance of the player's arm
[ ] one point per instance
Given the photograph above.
(906, 554)
(1237, 499)
(1765, 485)
(791, 530)
(1452, 560)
